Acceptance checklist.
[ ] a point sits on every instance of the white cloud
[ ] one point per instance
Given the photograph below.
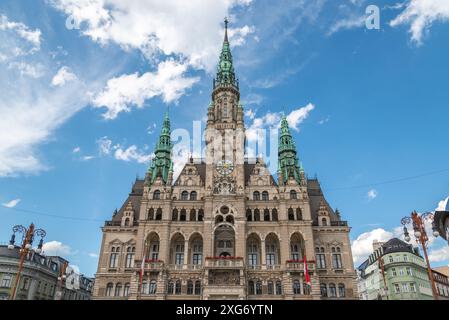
(26, 69)
(372, 194)
(250, 114)
(122, 93)
(87, 158)
(347, 23)
(63, 76)
(56, 248)
(438, 255)
(76, 150)
(104, 145)
(158, 27)
(132, 154)
(93, 255)
(22, 32)
(325, 120)
(12, 203)
(272, 120)
(420, 15)
(362, 247)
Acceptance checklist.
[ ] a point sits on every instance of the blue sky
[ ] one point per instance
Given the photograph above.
(82, 101)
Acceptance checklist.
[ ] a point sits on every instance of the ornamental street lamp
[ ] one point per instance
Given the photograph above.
(26, 247)
(422, 238)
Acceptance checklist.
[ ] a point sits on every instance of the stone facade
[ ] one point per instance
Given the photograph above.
(226, 228)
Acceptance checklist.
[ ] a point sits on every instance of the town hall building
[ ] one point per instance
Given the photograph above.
(225, 228)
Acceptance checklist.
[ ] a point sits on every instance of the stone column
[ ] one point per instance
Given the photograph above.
(263, 259)
(186, 254)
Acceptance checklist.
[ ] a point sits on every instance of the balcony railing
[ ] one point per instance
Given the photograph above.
(224, 263)
(149, 265)
(299, 266)
(339, 223)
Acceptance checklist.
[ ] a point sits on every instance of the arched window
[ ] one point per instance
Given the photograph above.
(178, 287)
(323, 289)
(259, 287)
(256, 196)
(278, 287)
(184, 196)
(151, 214)
(219, 219)
(336, 258)
(341, 290)
(293, 194)
(127, 222)
(266, 215)
(251, 287)
(193, 215)
(253, 251)
(153, 287)
(174, 215)
(197, 287)
(249, 215)
(170, 287)
(296, 287)
(159, 214)
(298, 214)
(265, 196)
(230, 219)
(183, 215)
(157, 195)
(190, 287)
(291, 216)
(332, 290)
(109, 288)
(256, 215)
(126, 289)
(324, 222)
(306, 288)
(200, 215)
(274, 215)
(270, 287)
(118, 290)
(193, 196)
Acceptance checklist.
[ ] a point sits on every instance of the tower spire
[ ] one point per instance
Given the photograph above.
(226, 21)
(288, 161)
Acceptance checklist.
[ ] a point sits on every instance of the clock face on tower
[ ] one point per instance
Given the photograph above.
(225, 167)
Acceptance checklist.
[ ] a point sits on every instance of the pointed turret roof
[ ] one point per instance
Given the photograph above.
(225, 70)
(288, 161)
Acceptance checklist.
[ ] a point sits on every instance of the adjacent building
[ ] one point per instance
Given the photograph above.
(226, 228)
(394, 271)
(440, 276)
(39, 277)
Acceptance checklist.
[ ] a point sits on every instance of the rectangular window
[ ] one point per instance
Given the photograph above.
(409, 271)
(336, 261)
(397, 289)
(404, 287)
(391, 259)
(252, 259)
(197, 258)
(271, 259)
(412, 287)
(6, 281)
(401, 272)
(405, 257)
(179, 258)
(393, 271)
(321, 261)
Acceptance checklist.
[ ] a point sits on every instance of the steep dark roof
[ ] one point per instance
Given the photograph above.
(315, 197)
(396, 245)
(135, 196)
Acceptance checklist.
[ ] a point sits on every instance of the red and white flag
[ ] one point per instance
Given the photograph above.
(142, 269)
(306, 271)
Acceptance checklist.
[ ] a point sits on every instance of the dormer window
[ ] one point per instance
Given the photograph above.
(157, 195)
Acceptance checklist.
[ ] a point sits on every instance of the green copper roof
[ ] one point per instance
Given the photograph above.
(288, 161)
(225, 69)
(162, 163)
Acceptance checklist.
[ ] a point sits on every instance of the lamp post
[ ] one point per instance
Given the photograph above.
(26, 247)
(422, 238)
(382, 269)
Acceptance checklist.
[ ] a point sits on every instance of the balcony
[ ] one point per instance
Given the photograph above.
(224, 263)
(150, 265)
(339, 223)
(299, 266)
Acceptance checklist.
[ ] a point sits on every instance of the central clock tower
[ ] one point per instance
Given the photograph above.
(225, 130)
